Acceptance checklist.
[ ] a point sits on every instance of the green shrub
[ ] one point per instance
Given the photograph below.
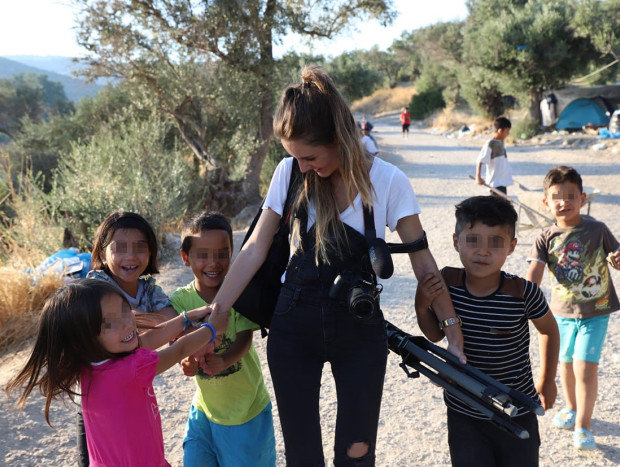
(28, 232)
(523, 128)
(425, 103)
(126, 168)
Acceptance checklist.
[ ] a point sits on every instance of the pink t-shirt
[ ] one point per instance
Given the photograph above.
(121, 417)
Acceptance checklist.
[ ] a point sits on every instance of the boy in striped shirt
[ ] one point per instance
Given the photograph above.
(494, 308)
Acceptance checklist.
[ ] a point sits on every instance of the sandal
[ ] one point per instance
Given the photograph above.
(565, 419)
(583, 439)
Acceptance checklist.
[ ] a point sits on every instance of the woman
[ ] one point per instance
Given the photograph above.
(313, 322)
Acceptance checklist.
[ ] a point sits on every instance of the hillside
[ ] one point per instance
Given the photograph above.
(75, 89)
(54, 63)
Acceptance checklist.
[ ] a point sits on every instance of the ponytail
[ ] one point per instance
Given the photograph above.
(315, 112)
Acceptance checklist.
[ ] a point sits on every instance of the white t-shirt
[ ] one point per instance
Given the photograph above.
(393, 197)
(493, 155)
(370, 145)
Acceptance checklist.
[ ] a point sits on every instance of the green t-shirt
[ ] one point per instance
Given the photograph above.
(238, 394)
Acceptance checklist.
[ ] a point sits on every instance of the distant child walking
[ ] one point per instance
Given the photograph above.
(493, 157)
(493, 307)
(88, 334)
(582, 294)
(230, 421)
(368, 141)
(405, 121)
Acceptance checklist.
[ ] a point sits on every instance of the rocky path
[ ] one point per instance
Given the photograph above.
(412, 427)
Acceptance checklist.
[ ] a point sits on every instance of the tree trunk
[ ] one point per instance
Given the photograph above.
(195, 143)
(251, 184)
(534, 111)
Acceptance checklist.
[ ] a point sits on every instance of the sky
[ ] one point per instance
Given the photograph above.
(45, 27)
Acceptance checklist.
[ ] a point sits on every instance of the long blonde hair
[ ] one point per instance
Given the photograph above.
(314, 111)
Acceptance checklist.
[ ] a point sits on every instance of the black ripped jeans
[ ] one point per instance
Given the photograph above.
(309, 329)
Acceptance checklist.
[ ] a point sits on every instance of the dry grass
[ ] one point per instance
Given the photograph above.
(21, 302)
(450, 119)
(384, 101)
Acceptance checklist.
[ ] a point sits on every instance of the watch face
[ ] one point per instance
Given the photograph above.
(449, 322)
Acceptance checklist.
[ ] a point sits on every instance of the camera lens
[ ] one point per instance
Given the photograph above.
(362, 304)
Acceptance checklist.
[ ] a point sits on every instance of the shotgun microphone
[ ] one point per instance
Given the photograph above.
(381, 259)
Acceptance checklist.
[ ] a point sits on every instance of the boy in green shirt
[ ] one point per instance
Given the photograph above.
(230, 420)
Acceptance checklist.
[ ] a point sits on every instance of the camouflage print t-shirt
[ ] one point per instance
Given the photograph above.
(581, 285)
(150, 297)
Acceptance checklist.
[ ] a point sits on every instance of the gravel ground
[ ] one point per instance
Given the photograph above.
(413, 424)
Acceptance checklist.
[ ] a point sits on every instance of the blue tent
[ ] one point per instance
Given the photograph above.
(580, 112)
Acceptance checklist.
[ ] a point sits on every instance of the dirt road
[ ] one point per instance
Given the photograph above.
(412, 427)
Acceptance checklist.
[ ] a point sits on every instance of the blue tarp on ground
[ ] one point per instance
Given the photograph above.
(581, 112)
(69, 263)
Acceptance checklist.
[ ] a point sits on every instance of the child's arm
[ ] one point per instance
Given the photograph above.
(183, 347)
(479, 179)
(429, 287)
(410, 229)
(214, 363)
(549, 339)
(535, 272)
(614, 259)
(168, 312)
(168, 330)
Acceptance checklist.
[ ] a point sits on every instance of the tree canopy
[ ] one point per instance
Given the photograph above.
(30, 97)
(209, 64)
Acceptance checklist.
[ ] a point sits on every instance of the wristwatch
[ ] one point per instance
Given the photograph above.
(450, 321)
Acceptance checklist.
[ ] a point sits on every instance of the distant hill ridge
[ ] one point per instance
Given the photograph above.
(75, 88)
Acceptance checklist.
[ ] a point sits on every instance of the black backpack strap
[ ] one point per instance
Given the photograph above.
(291, 194)
(454, 277)
(294, 183)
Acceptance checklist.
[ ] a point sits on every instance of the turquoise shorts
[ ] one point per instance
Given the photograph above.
(208, 444)
(582, 339)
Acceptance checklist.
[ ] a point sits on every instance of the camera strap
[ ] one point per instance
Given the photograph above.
(410, 247)
(371, 234)
(369, 225)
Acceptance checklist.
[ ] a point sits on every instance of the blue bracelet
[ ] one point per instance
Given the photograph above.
(210, 326)
(186, 321)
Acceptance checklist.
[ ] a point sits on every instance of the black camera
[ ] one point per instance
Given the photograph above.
(361, 295)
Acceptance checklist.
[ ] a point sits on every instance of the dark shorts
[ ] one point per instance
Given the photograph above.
(405, 126)
(476, 442)
(503, 189)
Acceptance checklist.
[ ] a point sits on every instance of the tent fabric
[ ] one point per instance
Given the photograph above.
(607, 96)
(581, 112)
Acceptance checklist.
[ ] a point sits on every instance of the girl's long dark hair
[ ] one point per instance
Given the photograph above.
(124, 220)
(66, 342)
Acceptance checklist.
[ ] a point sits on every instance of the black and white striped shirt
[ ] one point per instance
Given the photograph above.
(496, 331)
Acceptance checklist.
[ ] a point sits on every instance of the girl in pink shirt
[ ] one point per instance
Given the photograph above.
(88, 334)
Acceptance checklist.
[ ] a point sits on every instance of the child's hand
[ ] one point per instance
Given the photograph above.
(548, 391)
(190, 366)
(479, 180)
(199, 314)
(213, 364)
(199, 356)
(429, 287)
(614, 259)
